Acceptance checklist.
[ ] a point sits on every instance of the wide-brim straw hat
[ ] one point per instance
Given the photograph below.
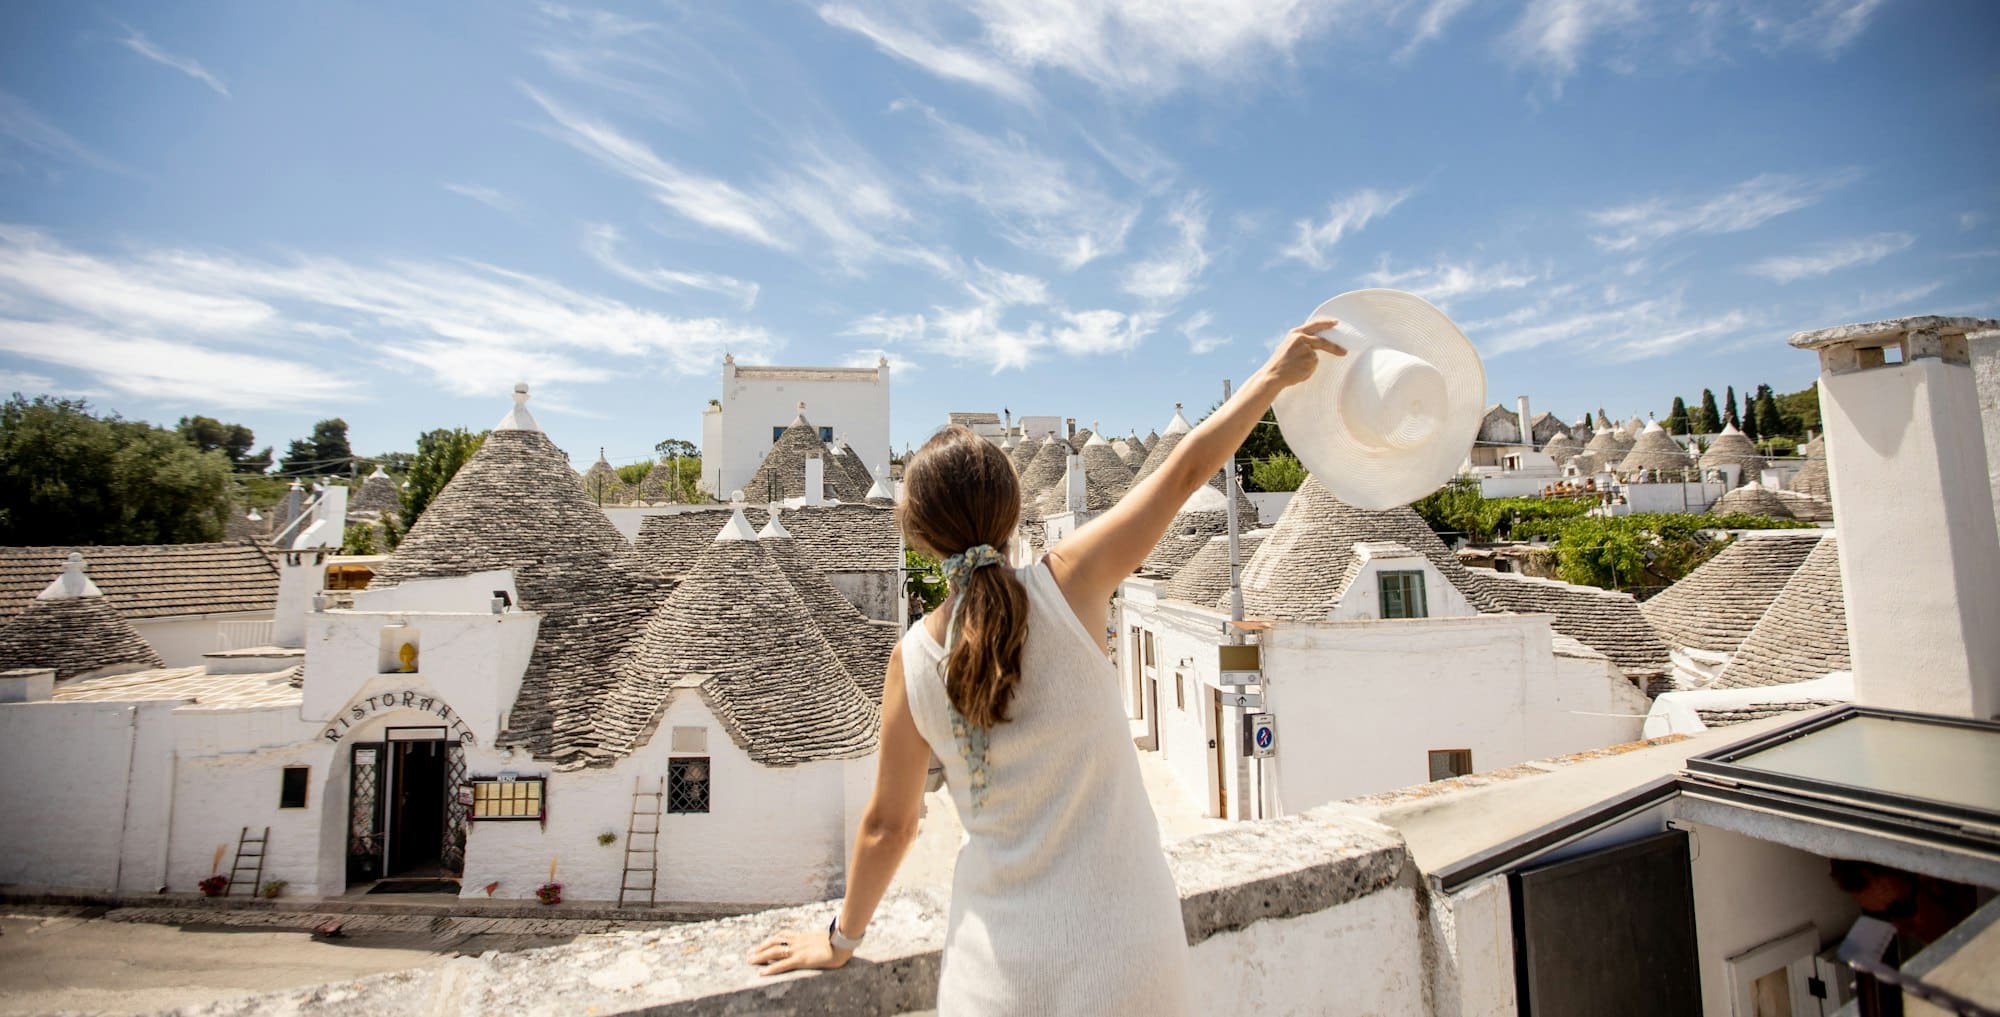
(1392, 420)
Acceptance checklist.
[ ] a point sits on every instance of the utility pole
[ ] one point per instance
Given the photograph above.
(1229, 489)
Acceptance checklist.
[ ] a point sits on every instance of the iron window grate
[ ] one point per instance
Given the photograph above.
(687, 785)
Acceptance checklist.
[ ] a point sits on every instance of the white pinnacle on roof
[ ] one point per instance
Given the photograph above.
(1178, 425)
(1206, 499)
(879, 491)
(518, 419)
(1096, 438)
(72, 583)
(773, 529)
(379, 472)
(1728, 429)
(738, 528)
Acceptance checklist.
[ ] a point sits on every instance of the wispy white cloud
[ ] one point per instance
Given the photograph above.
(30, 384)
(1431, 23)
(1009, 322)
(491, 197)
(1200, 339)
(1171, 274)
(23, 128)
(1743, 207)
(1968, 221)
(1828, 27)
(1554, 34)
(874, 356)
(189, 66)
(601, 243)
(1039, 202)
(819, 205)
(946, 61)
(1444, 281)
(1829, 258)
(1603, 326)
(1901, 300)
(189, 326)
(1347, 214)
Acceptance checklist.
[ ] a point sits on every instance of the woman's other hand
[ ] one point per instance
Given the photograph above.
(792, 950)
(1298, 354)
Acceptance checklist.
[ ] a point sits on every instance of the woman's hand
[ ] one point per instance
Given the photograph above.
(789, 951)
(1298, 354)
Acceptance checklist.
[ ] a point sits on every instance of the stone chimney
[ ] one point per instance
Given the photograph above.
(1919, 555)
(815, 480)
(1073, 495)
(28, 685)
(1527, 422)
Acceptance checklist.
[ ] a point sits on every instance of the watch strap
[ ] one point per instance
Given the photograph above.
(839, 941)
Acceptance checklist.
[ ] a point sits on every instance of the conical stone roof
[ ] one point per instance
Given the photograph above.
(602, 484)
(1714, 607)
(1751, 500)
(1812, 477)
(1302, 570)
(1204, 578)
(1170, 438)
(1129, 452)
(378, 493)
(1655, 451)
(517, 505)
(1044, 474)
(1804, 633)
(737, 633)
(1606, 444)
(1731, 448)
(72, 628)
(1151, 439)
(862, 645)
(1562, 448)
(782, 474)
(1024, 451)
(855, 480)
(1806, 507)
(1588, 463)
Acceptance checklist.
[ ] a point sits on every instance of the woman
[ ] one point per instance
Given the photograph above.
(1061, 900)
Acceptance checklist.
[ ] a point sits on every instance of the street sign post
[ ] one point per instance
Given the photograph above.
(1261, 733)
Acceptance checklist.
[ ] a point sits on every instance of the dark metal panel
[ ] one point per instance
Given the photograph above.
(1505, 855)
(1611, 932)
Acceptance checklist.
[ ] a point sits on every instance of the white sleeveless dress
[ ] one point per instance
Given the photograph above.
(1061, 902)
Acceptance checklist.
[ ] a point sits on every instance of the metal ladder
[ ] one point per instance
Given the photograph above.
(248, 861)
(646, 850)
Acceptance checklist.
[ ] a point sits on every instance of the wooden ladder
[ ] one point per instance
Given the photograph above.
(642, 843)
(249, 858)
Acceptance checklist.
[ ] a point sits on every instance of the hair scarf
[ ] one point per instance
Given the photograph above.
(971, 738)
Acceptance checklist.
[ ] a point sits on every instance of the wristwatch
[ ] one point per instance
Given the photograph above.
(839, 941)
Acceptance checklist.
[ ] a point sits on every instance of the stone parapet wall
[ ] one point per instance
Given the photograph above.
(1289, 913)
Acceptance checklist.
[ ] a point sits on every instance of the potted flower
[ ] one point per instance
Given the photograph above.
(214, 885)
(272, 888)
(549, 893)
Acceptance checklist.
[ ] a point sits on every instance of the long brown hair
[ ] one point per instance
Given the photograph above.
(960, 491)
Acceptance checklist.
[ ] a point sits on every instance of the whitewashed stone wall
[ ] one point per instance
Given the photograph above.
(74, 819)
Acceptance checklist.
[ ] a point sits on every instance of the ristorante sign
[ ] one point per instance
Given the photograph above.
(352, 717)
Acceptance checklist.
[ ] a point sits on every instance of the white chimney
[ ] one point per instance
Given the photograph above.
(28, 685)
(1073, 497)
(1986, 375)
(1919, 555)
(301, 577)
(1527, 424)
(815, 481)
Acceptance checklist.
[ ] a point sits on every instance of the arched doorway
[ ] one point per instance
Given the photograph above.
(407, 815)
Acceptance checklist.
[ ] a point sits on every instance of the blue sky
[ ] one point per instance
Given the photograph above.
(274, 213)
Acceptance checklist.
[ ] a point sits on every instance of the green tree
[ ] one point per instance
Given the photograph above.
(1752, 426)
(675, 448)
(1707, 419)
(1278, 473)
(1458, 509)
(1638, 551)
(632, 474)
(68, 476)
(1799, 411)
(359, 539)
(233, 440)
(325, 452)
(923, 578)
(1729, 408)
(439, 455)
(1677, 418)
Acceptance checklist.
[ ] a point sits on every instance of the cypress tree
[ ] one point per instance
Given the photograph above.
(1707, 419)
(1677, 418)
(1769, 418)
(1752, 427)
(1729, 407)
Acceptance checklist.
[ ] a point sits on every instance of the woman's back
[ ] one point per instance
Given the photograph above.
(1062, 901)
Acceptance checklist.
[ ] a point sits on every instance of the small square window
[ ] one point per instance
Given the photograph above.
(1449, 763)
(826, 435)
(292, 787)
(687, 784)
(507, 799)
(777, 431)
(1402, 593)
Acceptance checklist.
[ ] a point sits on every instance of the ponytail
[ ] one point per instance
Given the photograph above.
(962, 499)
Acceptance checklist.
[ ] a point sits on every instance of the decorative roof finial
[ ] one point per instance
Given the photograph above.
(72, 583)
(518, 418)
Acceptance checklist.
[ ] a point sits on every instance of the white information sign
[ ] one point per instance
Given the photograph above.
(1263, 731)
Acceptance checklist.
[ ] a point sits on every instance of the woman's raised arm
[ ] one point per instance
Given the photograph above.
(1090, 563)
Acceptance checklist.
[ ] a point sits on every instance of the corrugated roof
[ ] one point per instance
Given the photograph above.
(1714, 607)
(1803, 634)
(737, 631)
(1301, 571)
(151, 580)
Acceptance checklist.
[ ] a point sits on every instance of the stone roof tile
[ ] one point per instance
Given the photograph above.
(1604, 620)
(152, 580)
(1714, 607)
(73, 628)
(1804, 633)
(1204, 578)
